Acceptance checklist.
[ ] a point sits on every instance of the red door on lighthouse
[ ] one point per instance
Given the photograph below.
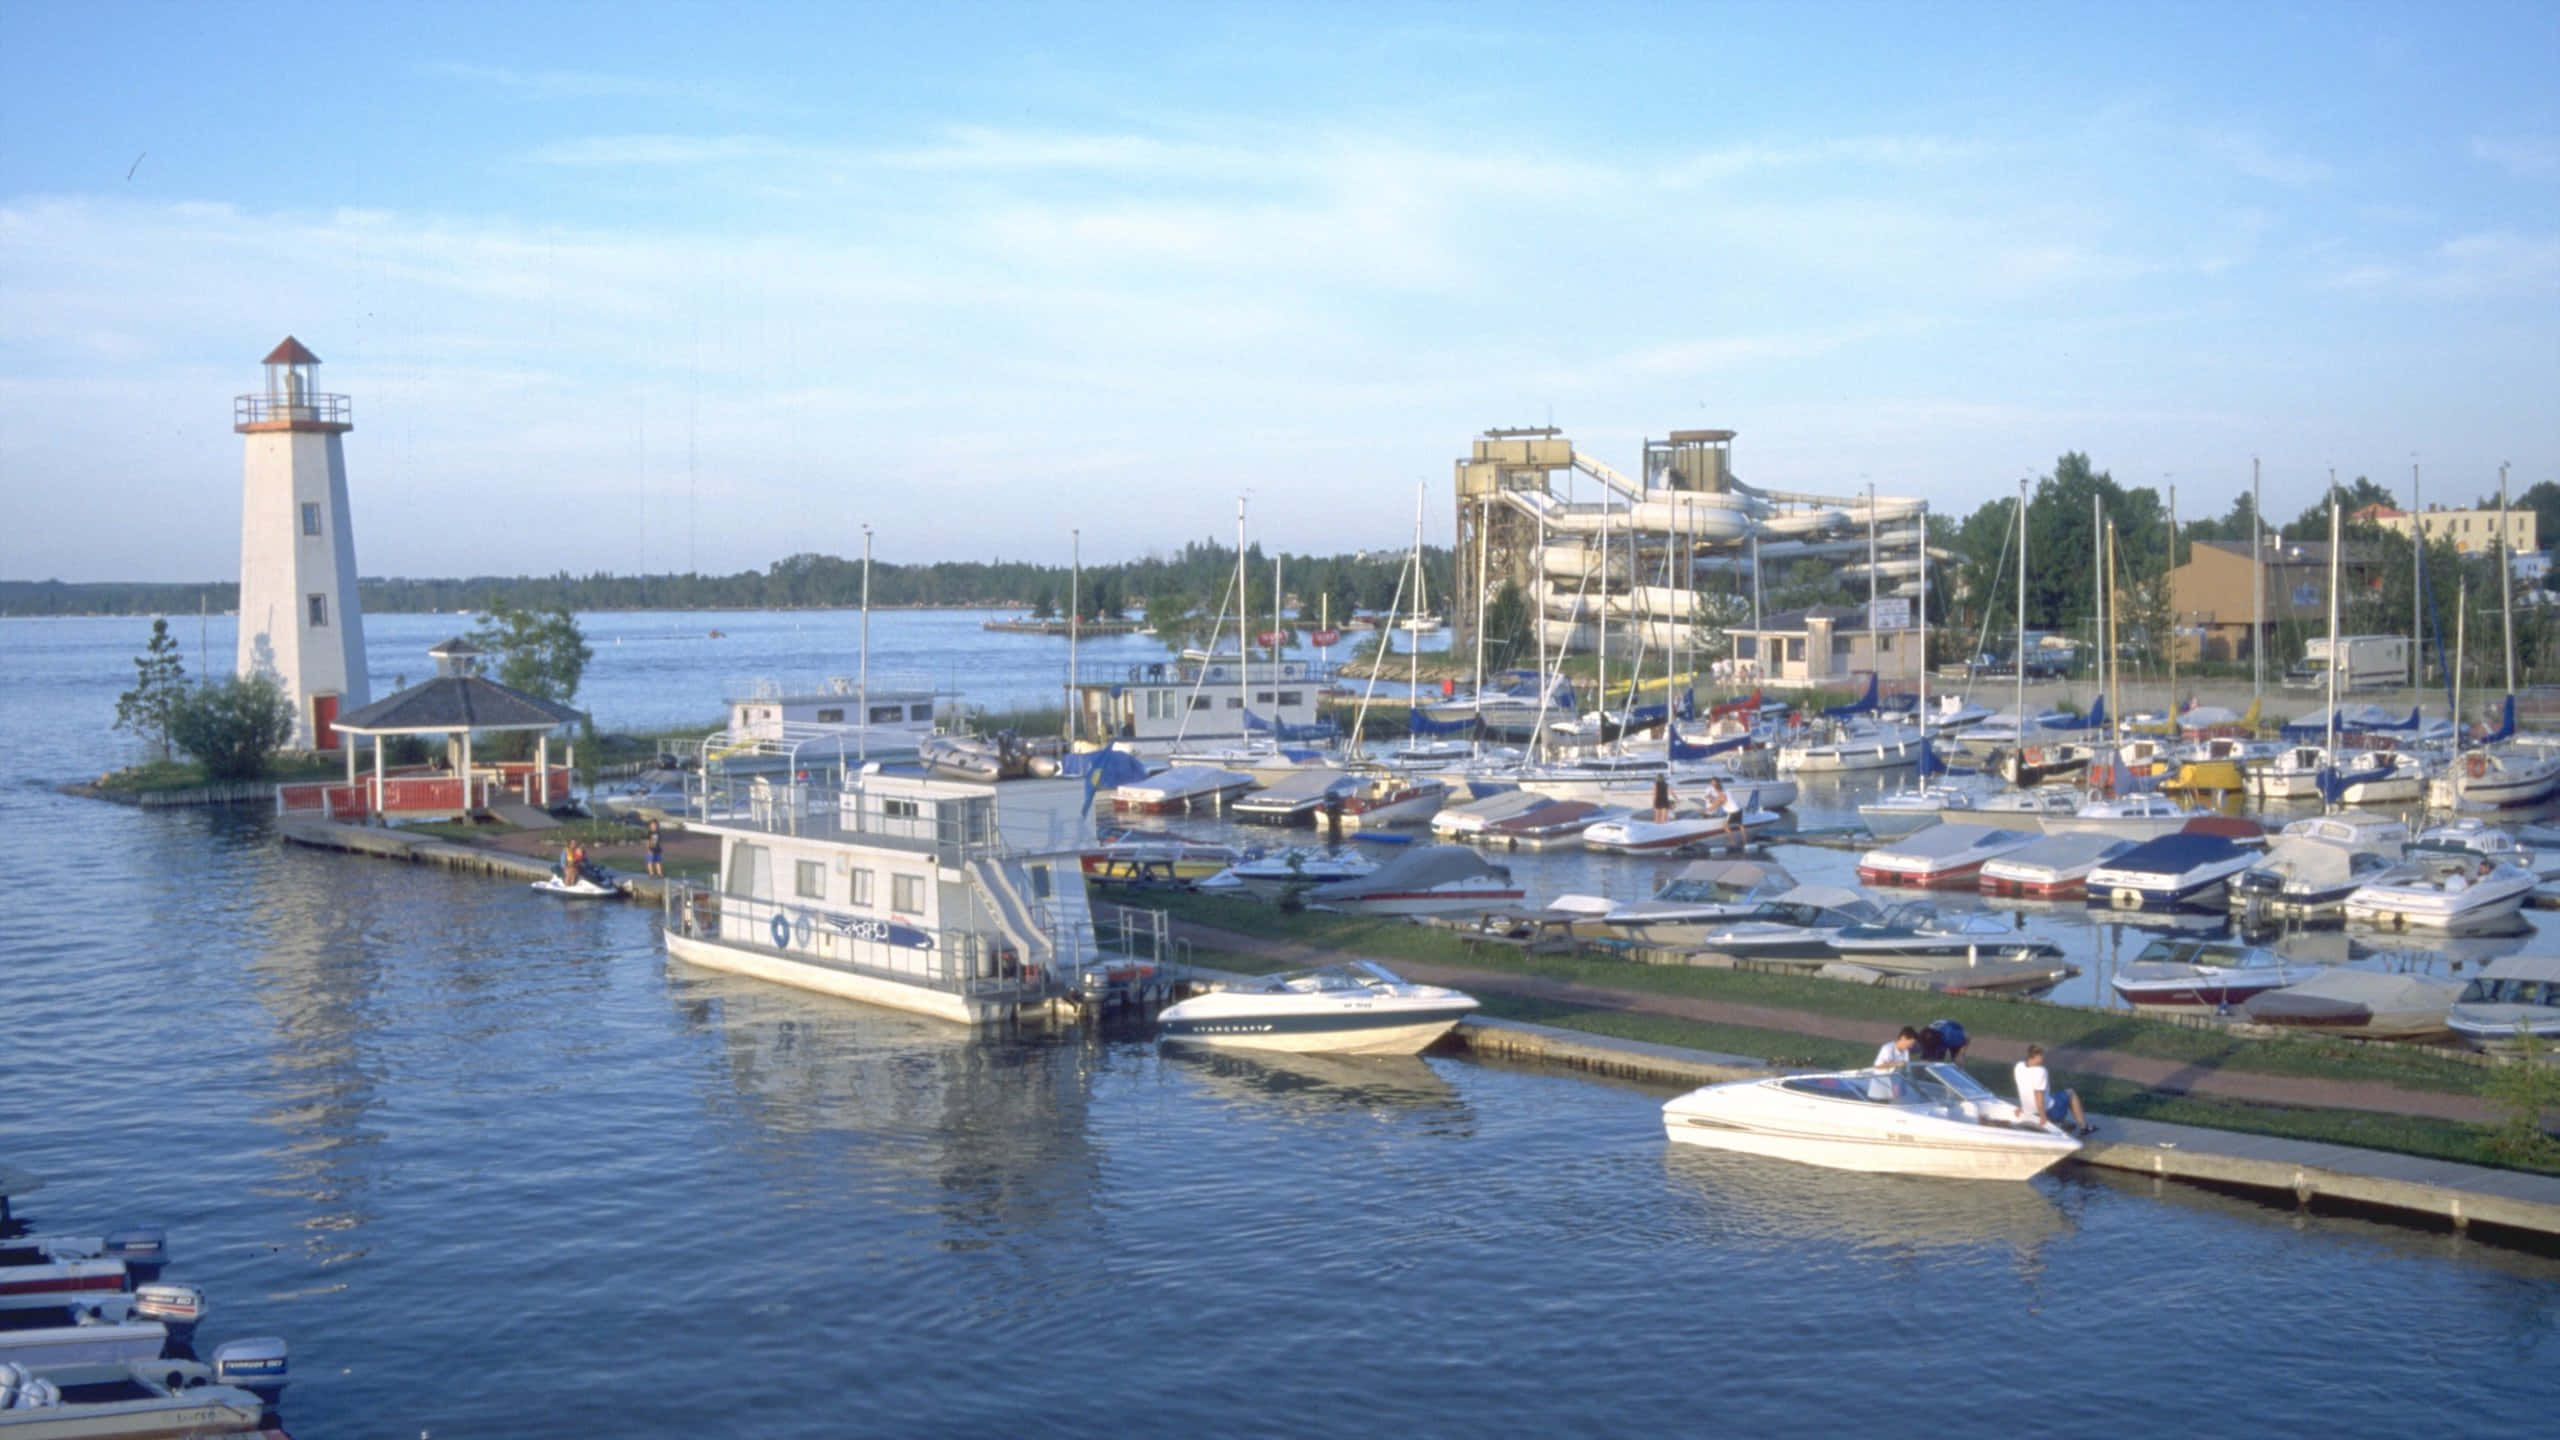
(324, 722)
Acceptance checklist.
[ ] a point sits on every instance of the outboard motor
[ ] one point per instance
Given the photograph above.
(144, 1249)
(256, 1364)
(177, 1306)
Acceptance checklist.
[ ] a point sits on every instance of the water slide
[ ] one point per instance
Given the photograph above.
(1021, 929)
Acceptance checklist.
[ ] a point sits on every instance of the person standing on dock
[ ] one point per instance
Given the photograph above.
(1661, 798)
(2042, 1102)
(657, 851)
(1896, 1052)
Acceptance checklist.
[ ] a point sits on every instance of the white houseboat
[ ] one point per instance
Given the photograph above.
(905, 891)
(841, 720)
(1199, 702)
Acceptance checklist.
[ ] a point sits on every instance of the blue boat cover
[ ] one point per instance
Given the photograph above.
(1860, 706)
(2175, 854)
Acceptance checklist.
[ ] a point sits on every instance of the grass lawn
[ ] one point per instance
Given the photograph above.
(165, 775)
(2060, 1026)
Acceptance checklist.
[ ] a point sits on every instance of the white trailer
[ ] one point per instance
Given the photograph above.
(2371, 662)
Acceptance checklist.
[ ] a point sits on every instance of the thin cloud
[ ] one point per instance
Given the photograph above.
(2527, 157)
(2259, 158)
(581, 84)
(1727, 162)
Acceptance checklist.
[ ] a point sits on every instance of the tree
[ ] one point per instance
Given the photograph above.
(541, 652)
(2313, 522)
(1044, 605)
(233, 725)
(160, 685)
(1506, 626)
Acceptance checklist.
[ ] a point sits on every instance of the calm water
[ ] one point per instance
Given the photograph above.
(495, 1168)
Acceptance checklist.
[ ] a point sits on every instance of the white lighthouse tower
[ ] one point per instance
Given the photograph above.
(300, 621)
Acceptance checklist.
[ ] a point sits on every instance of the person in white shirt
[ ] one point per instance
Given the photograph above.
(1896, 1052)
(2040, 1101)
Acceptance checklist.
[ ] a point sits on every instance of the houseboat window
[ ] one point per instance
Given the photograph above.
(906, 894)
(921, 710)
(897, 809)
(1293, 697)
(1039, 882)
(1200, 702)
(831, 715)
(750, 871)
(1264, 696)
(888, 714)
(1234, 704)
(861, 887)
(809, 880)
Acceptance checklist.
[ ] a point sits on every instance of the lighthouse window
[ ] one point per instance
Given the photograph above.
(319, 612)
(310, 518)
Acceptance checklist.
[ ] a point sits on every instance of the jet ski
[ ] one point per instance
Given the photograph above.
(592, 882)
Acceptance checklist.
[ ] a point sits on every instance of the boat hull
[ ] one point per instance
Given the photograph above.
(1963, 875)
(1402, 1032)
(1896, 1156)
(800, 973)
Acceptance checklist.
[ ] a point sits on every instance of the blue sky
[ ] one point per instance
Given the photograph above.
(627, 287)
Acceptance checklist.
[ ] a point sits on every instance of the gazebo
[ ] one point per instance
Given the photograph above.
(457, 704)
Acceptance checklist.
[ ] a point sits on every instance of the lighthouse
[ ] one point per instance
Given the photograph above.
(300, 621)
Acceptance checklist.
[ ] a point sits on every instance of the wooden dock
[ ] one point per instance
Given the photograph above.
(390, 844)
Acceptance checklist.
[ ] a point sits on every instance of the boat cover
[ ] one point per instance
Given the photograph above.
(2312, 864)
(1299, 787)
(2175, 854)
(1860, 706)
(2069, 850)
(1943, 841)
(1418, 869)
(2345, 996)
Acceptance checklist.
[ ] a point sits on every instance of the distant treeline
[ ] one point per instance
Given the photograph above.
(1194, 581)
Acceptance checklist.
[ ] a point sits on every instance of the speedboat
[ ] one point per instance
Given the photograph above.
(1904, 811)
(1559, 822)
(1941, 856)
(2179, 973)
(1180, 787)
(96, 1327)
(1353, 1008)
(2142, 816)
(1697, 896)
(593, 882)
(2053, 867)
(1924, 1119)
(1914, 937)
(1295, 799)
(2371, 1003)
(1276, 873)
(2514, 997)
(135, 1399)
(1800, 924)
(2470, 838)
(1467, 821)
(2441, 894)
(2315, 864)
(1630, 834)
(1426, 880)
(2034, 802)
(48, 1264)
(1380, 801)
(2174, 872)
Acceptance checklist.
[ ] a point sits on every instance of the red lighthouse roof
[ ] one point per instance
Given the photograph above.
(291, 352)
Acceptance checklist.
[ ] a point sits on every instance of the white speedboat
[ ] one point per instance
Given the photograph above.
(594, 882)
(1272, 875)
(1699, 895)
(1904, 811)
(1943, 856)
(2054, 867)
(1180, 787)
(2316, 863)
(2179, 973)
(1926, 1119)
(2441, 894)
(1425, 880)
(2133, 817)
(2515, 996)
(49, 1264)
(2031, 802)
(1641, 834)
(2175, 872)
(1381, 801)
(1353, 1008)
(1556, 823)
(1295, 799)
(2470, 838)
(2369, 1003)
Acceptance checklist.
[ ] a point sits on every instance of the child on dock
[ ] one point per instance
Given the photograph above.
(2044, 1103)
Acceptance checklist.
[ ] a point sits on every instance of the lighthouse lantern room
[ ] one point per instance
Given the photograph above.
(300, 621)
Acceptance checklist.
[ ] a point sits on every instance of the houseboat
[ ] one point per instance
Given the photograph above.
(905, 891)
(1198, 701)
(839, 722)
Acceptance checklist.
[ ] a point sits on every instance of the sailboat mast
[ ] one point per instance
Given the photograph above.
(1601, 617)
(1871, 579)
(2022, 616)
(1483, 504)
(2506, 575)
(1924, 622)
(2257, 589)
(1413, 640)
(2329, 741)
(1279, 641)
(1244, 655)
(2098, 629)
(2417, 585)
(2461, 604)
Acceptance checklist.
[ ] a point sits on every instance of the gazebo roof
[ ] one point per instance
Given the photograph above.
(453, 703)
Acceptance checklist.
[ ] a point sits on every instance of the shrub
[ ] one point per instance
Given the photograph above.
(235, 726)
(2523, 1092)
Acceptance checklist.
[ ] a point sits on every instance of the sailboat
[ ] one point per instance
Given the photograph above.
(2494, 773)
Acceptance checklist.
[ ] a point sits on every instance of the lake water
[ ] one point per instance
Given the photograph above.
(495, 1167)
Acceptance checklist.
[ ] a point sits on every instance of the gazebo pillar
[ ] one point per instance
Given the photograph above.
(542, 767)
(466, 775)
(377, 780)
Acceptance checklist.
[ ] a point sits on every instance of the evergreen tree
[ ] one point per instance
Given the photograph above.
(233, 725)
(541, 652)
(159, 687)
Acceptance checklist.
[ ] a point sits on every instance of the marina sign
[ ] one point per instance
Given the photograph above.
(1893, 614)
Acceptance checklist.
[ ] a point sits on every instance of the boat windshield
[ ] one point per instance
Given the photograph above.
(2511, 992)
(1873, 1087)
(1946, 1082)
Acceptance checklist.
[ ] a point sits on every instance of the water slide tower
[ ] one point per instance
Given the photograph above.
(300, 621)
